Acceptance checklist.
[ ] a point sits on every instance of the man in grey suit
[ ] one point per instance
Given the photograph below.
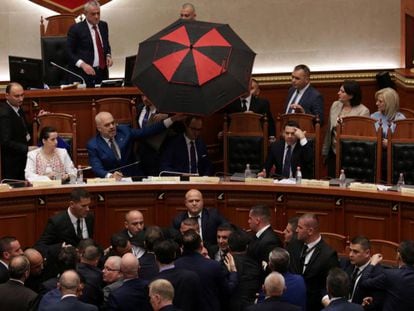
(14, 295)
(302, 97)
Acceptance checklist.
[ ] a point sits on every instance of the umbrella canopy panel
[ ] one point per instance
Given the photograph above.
(193, 67)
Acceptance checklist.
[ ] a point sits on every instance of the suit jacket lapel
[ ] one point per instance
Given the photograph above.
(315, 255)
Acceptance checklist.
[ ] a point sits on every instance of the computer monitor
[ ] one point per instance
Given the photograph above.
(129, 69)
(26, 71)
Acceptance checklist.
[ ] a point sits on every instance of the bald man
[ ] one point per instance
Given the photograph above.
(313, 258)
(133, 292)
(273, 287)
(112, 148)
(36, 269)
(70, 286)
(161, 294)
(208, 219)
(134, 225)
(188, 12)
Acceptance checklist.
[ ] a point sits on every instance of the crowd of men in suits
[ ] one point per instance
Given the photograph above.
(201, 262)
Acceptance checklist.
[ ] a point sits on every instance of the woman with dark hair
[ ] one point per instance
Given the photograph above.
(347, 105)
(48, 160)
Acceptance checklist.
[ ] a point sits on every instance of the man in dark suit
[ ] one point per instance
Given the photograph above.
(14, 134)
(313, 258)
(264, 239)
(302, 97)
(9, 248)
(274, 286)
(255, 104)
(208, 219)
(133, 294)
(14, 295)
(397, 283)
(287, 154)
(217, 283)
(161, 293)
(134, 231)
(337, 285)
(36, 276)
(187, 153)
(112, 147)
(219, 251)
(295, 292)
(150, 149)
(68, 227)
(359, 258)
(187, 285)
(88, 46)
(70, 287)
(92, 292)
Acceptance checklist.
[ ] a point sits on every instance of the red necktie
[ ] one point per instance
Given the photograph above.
(100, 48)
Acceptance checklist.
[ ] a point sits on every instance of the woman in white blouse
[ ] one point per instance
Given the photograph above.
(48, 160)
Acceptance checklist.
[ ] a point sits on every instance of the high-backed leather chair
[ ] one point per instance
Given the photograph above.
(388, 249)
(311, 125)
(123, 110)
(400, 152)
(359, 149)
(408, 113)
(338, 242)
(245, 141)
(65, 124)
(53, 45)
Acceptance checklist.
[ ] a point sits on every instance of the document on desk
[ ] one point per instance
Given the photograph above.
(286, 181)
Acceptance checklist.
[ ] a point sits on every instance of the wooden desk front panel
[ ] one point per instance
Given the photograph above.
(24, 213)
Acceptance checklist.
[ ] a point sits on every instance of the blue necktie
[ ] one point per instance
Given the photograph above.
(286, 164)
(146, 116)
(193, 159)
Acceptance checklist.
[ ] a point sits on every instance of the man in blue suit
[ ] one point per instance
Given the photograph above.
(187, 153)
(337, 284)
(88, 46)
(302, 97)
(397, 283)
(112, 147)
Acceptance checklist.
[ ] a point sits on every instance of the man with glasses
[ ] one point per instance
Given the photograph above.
(110, 152)
(187, 153)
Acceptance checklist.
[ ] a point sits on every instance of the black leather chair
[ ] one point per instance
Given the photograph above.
(359, 149)
(400, 152)
(54, 50)
(245, 142)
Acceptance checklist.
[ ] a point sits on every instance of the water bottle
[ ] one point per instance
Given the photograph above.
(400, 181)
(342, 179)
(298, 175)
(79, 175)
(247, 171)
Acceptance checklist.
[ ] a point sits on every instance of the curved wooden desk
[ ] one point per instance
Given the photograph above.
(380, 215)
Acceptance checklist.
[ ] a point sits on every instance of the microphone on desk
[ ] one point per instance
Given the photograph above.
(79, 86)
(184, 174)
(16, 182)
(124, 166)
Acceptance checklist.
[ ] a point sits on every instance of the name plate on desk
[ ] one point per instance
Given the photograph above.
(253, 180)
(4, 187)
(94, 181)
(315, 183)
(46, 183)
(407, 190)
(362, 186)
(161, 179)
(205, 179)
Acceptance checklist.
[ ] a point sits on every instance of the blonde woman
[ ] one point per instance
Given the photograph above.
(388, 103)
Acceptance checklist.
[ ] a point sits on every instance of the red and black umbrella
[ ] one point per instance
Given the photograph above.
(193, 67)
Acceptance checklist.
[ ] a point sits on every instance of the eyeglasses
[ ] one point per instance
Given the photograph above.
(110, 270)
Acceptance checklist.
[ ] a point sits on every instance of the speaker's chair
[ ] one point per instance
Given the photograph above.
(65, 124)
(245, 141)
(400, 152)
(310, 124)
(359, 148)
